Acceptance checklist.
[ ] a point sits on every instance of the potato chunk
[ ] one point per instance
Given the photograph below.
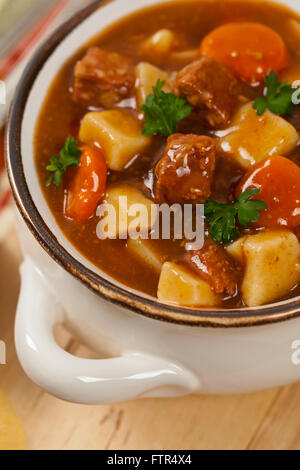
(252, 138)
(147, 76)
(117, 132)
(146, 252)
(185, 56)
(159, 44)
(117, 223)
(177, 285)
(236, 249)
(11, 430)
(272, 265)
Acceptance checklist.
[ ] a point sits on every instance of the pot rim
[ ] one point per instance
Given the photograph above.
(118, 295)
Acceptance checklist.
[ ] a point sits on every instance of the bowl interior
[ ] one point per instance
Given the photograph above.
(83, 32)
(96, 22)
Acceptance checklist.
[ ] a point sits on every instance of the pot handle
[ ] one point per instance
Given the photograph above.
(133, 375)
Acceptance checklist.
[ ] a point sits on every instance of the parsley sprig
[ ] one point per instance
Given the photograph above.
(69, 155)
(222, 218)
(278, 97)
(163, 111)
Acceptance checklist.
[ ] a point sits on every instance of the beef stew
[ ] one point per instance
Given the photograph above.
(169, 106)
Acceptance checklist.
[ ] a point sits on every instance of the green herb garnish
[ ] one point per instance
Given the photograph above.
(163, 111)
(68, 156)
(223, 218)
(278, 97)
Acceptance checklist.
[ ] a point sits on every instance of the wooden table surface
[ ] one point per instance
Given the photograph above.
(267, 420)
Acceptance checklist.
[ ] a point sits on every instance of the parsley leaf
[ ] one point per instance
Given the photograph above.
(278, 97)
(222, 221)
(68, 156)
(248, 211)
(261, 105)
(222, 218)
(163, 111)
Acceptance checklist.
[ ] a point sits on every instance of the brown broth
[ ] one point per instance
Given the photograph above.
(61, 117)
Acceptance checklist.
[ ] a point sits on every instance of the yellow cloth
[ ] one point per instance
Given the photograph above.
(12, 435)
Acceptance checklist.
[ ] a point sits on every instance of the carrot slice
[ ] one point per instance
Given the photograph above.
(278, 179)
(86, 186)
(250, 50)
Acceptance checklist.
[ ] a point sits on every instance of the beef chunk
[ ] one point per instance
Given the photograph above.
(184, 174)
(210, 85)
(216, 267)
(102, 78)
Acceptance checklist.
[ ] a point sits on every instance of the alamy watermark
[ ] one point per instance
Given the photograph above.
(296, 94)
(2, 353)
(151, 221)
(295, 358)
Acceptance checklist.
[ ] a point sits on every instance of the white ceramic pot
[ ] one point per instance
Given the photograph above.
(154, 350)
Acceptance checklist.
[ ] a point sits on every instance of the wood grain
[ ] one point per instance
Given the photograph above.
(267, 420)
